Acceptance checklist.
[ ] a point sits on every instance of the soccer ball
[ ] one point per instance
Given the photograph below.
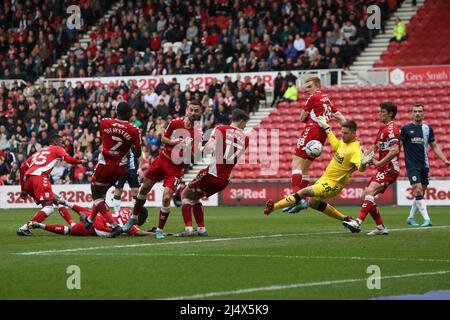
(313, 148)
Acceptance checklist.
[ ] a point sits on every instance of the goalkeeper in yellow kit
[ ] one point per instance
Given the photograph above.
(348, 157)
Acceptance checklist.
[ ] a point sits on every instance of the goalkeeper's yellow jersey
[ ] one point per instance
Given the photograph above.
(347, 159)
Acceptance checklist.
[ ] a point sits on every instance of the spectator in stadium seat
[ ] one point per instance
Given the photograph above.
(347, 29)
(162, 109)
(311, 52)
(279, 87)
(399, 33)
(207, 120)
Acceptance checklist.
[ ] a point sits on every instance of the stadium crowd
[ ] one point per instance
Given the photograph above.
(213, 36)
(35, 33)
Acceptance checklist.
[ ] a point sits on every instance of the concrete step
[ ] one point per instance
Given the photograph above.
(378, 44)
(373, 50)
(360, 68)
(367, 56)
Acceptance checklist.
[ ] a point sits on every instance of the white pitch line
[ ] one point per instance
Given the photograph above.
(43, 252)
(299, 285)
(265, 256)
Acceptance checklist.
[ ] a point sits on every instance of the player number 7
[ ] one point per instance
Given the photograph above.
(118, 144)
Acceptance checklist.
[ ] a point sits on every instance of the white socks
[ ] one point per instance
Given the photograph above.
(422, 208)
(413, 210)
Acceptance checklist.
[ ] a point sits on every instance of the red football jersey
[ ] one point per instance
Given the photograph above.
(176, 129)
(103, 228)
(43, 161)
(387, 136)
(317, 105)
(118, 136)
(230, 145)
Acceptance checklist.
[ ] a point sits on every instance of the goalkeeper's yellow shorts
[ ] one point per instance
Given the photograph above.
(326, 188)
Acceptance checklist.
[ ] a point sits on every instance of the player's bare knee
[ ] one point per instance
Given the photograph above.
(417, 190)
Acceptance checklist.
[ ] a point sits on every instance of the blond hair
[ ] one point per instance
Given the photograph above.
(315, 80)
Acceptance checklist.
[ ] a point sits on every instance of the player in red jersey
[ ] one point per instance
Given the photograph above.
(318, 104)
(118, 137)
(228, 144)
(35, 181)
(387, 144)
(100, 226)
(181, 134)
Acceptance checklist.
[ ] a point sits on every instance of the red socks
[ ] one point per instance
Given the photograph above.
(305, 182)
(369, 206)
(39, 216)
(163, 215)
(296, 180)
(66, 215)
(138, 206)
(199, 215)
(377, 216)
(186, 209)
(57, 228)
(299, 181)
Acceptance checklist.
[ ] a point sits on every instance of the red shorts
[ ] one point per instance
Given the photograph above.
(106, 176)
(206, 184)
(80, 230)
(385, 178)
(310, 133)
(39, 188)
(162, 168)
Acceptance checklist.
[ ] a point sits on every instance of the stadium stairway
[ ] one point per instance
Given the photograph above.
(255, 119)
(380, 43)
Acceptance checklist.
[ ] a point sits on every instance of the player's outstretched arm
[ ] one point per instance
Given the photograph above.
(23, 168)
(438, 151)
(364, 159)
(339, 116)
(323, 123)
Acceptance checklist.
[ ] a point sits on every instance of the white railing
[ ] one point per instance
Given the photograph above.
(143, 82)
(9, 83)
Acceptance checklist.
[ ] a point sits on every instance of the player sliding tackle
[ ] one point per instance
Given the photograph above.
(100, 226)
(348, 157)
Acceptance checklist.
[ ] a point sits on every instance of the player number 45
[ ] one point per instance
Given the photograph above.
(40, 158)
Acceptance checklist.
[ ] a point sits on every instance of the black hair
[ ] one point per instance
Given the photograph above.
(390, 107)
(238, 115)
(123, 111)
(54, 138)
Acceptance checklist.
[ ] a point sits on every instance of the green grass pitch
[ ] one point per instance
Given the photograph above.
(247, 256)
